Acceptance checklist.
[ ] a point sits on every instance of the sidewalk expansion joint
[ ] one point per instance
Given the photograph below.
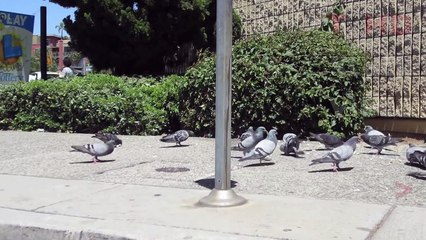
(381, 223)
(50, 213)
(70, 199)
(128, 166)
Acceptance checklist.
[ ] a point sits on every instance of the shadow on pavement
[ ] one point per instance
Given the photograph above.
(331, 170)
(381, 154)
(292, 155)
(264, 164)
(415, 165)
(99, 161)
(209, 183)
(175, 146)
(417, 175)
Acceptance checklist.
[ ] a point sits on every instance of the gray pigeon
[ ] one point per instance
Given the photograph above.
(290, 144)
(379, 141)
(329, 141)
(105, 137)
(263, 148)
(416, 155)
(248, 143)
(246, 134)
(338, 154)
(96, 149)
(370, 131)
(177, 137)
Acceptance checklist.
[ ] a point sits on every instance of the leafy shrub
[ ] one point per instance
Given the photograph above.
(296, 81)
(90, 104)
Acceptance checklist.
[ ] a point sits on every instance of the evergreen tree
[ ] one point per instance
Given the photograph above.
(135, 36)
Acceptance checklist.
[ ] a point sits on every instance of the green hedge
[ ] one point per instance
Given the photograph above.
(90, 104)
(296, 81)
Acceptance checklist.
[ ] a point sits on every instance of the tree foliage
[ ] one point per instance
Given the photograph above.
(134, 36)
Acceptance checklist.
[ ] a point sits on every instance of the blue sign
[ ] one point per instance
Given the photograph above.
(16, 32)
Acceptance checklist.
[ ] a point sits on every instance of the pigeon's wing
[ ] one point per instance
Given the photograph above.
(344, 152)
(339, 154)
(104, 137)
(261, 150)
(247, 134)
(101, 149)
(331, 140)
(374, 140)
(409, 153)
(375, 132)
(87, 148)
(181, 135)
(168, 138)
(420, 158)
(246, 144)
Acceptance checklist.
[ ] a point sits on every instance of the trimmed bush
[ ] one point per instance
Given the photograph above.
(296, 81)
(90, 104)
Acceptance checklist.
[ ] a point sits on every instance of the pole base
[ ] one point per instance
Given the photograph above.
(222, 198)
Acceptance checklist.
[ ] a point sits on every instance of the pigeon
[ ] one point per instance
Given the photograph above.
(248, 143)
(178, 136)
(105, 137)
(329, 141)
(370, 131)
(263, 148)
(96, 149)
(290, 144)
(379, 141)
(338, 154)
(246, 134)
(416, 155)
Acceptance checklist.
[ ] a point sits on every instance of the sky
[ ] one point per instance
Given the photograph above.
(55, 13)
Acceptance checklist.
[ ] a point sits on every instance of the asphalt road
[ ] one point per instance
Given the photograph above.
(145, 160)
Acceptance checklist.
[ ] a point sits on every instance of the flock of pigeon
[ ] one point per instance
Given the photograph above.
(254, 145)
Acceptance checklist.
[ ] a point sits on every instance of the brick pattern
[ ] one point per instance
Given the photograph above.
(391, 31)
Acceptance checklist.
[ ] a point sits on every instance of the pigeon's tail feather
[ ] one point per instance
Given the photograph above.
(80, 148)
(321, 160)
(168, 138)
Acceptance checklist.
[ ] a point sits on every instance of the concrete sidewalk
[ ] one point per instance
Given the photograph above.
(49, 208)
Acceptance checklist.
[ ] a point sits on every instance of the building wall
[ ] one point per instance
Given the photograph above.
(391, 31)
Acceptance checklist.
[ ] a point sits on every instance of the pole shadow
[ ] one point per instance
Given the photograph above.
(209, 183)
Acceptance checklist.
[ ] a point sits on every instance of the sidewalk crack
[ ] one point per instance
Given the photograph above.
(381, 223)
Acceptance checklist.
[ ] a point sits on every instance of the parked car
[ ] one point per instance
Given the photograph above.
(37, 75)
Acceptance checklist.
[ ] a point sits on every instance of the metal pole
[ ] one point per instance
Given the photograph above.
(43, 43)
(222, 195)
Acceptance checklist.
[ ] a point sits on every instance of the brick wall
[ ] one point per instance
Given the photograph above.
(391, 31)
